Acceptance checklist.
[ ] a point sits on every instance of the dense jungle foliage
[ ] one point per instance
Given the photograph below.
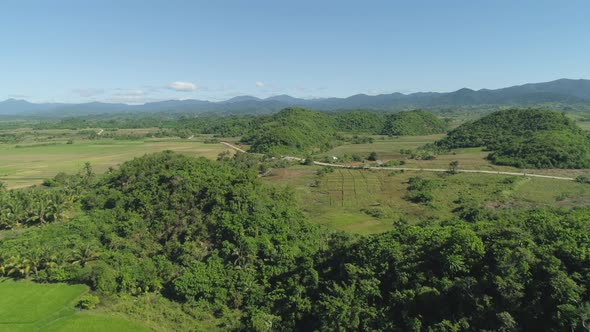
(413, 123)
(360, 122)
(545, 149)
(503, 126)
(526, 138)
(212, 237)
(292, 130)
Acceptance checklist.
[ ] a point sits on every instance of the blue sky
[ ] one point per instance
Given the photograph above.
(141, 51)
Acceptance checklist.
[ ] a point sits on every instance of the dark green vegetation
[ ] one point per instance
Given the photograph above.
(545, 149)
(174, 243)
(298, 131)
(526, 138)
(207, 244)
(360, 121)
(292, 130)
(413, 123)
(502, 126)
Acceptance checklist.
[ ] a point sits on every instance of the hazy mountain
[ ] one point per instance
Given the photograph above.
(17, 106)
(563, 90)
(241, 98)
(288, 99)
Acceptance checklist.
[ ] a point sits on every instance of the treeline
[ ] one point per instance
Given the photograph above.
(211, 236)
(50, 203)
(527, 138)
(225, 126)
(356, 122)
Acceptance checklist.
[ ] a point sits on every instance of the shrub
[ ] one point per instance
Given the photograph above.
(50, 183)
(88, 302)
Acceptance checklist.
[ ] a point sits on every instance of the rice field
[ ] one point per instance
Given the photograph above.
(28, 306)
(27, 164)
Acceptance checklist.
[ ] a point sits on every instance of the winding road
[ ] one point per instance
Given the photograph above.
(409, 169)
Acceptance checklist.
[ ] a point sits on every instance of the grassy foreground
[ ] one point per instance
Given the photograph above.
(27, 306)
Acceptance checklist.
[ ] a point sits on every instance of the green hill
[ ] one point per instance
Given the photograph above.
(292, 130)
(360, 121)
(502, 126)
(545, 149)
(526, 138)
(413, 123)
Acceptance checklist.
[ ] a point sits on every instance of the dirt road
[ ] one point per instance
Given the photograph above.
(409, 169)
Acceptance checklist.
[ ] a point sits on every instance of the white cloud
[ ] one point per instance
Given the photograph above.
(259, 84)
(183, 86)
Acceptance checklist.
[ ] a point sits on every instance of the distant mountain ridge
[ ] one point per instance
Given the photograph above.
(562, 90)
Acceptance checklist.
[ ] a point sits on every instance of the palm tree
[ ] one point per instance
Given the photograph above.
(85, 255)
(18, 266)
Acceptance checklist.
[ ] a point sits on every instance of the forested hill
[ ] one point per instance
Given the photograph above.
(526, 138)
(565, 91)
(228, 253)
(299, 131)
(413, 123)
(292, 130)
(503, 125)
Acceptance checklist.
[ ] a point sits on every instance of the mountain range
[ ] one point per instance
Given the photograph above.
(562, 91)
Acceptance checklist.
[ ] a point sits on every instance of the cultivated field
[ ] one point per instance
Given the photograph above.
(29, 163)
(28, 306)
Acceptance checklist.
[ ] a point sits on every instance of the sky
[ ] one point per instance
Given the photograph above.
(142, 51)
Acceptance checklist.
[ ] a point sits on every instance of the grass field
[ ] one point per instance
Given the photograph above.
(388, 148)
(364, 201)
(370, 201)
(27, 306)
(26, 164)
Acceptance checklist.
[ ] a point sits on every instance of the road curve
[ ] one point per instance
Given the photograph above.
(409, 169)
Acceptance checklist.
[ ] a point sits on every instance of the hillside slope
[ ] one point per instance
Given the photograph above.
(413, 123)
(503, 125)
(292, 130)
(526, 138)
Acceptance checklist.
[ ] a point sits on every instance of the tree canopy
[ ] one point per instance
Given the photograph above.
(504, 125)
(545, 149)
(211, 236)
(526, 138)
(413, 123)
(292, 130)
